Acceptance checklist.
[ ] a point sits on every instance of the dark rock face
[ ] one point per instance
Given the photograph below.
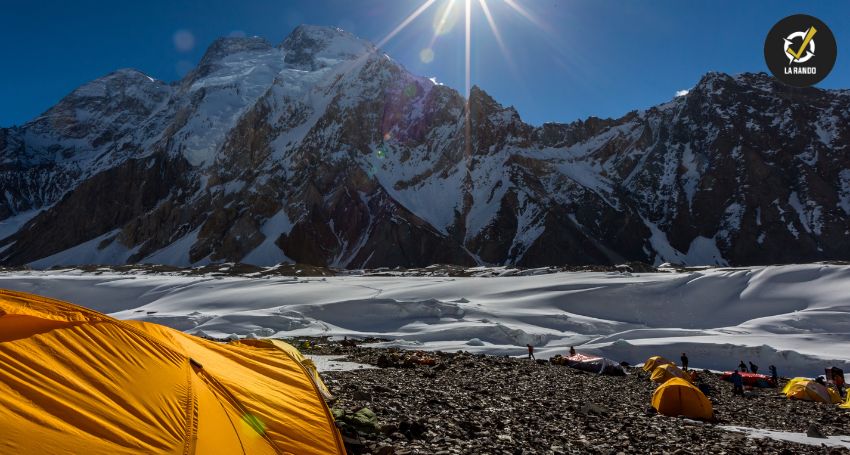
(100, 204)
(325, 151)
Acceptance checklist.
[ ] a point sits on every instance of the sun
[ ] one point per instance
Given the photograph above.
(448, 15)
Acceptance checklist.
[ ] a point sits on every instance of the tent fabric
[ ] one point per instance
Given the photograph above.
(664, 373)
(678, 397)
(76, 381)
(591, 364)
(654, 362)
(809, 390)
(846, 404)
(290, 350)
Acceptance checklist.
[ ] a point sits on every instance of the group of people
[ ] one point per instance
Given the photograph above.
(753, 367)
(531, 351)
(738, 380)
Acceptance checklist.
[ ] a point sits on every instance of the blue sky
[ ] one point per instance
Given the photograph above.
(571, 59)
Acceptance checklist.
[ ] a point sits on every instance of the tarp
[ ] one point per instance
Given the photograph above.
(654, 362)
(751, 379)
(592, 364)
(809, 390)
(74, 381)
(664, 373)
(678, 397)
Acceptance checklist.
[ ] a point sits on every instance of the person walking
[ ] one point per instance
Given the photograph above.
(773, 375)
(530, 352)
(753, 367)
(572, 351)
(737, 383)
(742, 366)
(684, 361)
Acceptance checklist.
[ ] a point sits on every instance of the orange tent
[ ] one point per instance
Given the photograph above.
(74, 381)
(679, 397)
(809, 390)
(664, 373)
(654, 362)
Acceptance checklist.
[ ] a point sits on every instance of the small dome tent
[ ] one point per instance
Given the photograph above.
(809, 390)
(678, 397)
(76, 381)
(666, 372)
(654, 362)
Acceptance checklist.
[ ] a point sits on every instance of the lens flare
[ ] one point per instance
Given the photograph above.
(255, 423)
(184, 40)
(524, 13)
(426, 55)
(494, 28)
(445, 19)
(410, 90)
(405, 22)
(468, 48)
(468, 81)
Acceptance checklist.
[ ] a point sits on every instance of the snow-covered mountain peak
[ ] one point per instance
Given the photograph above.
(310, 47)
(225, 46)
(113, 83)
(321, 149)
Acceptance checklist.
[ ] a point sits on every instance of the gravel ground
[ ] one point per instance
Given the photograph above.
(474, 404)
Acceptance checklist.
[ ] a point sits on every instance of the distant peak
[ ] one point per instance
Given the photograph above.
(714, 80)
(313, 46)
(228, 45)
(317, 32)
(113, 82)
(129, 73)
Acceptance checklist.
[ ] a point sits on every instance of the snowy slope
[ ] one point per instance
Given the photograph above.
(796, 317)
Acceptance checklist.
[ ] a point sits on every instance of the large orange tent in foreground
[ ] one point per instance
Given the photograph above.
(74, 381)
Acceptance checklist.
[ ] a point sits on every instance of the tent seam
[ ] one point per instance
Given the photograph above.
(191, 410)
(214, 382)
(333, 427)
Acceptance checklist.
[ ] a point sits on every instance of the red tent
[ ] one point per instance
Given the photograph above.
(751, 379)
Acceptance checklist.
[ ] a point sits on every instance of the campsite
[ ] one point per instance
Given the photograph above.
(126, 387)
(481, 404)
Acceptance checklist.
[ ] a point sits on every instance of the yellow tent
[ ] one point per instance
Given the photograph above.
(664, 373)
(654, 362)
(74, 381)
(846, 404)
(679, 397)
(809, 390)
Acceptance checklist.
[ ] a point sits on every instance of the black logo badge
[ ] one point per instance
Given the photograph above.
(800, 50)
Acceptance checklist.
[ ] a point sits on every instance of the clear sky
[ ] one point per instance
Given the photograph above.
(561, 60)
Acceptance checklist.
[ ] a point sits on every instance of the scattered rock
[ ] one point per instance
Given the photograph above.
(500, 405)
(814, 431)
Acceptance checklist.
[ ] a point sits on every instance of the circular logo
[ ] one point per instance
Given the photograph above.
(800, 50)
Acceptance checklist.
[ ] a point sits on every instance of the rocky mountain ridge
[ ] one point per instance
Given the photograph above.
(323, 150)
